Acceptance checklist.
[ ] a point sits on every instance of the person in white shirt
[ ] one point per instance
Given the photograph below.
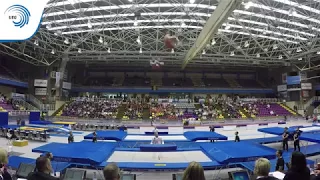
(157, 140)
(155, 130)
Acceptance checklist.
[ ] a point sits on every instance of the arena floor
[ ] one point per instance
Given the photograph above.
(121, 156)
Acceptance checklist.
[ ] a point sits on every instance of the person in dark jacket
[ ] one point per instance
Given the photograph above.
(298, 168)
(43, 170)
(70, 137)
(262, 169)
(237, 138)
(280, 161)
(94, 138)
(212, 130)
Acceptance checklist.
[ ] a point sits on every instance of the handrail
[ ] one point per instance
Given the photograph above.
(24, 104)
(39, 104)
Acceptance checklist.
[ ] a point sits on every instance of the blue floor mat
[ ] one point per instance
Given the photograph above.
(84, 152)
(233, 152)
(267, 140)
(15, 161)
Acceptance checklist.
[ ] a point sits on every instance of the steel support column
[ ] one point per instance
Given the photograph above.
(218, 17)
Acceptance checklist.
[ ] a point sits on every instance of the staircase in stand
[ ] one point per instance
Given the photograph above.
(246, 113)
(121, 111)
(146, 113)
(243, 114)
(59, 111)
(156, 81)
(233, 83)
(261, 84)
(118, 81)
(288, 109)
(197, 81)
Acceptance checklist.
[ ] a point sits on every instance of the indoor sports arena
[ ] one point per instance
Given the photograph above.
(160, 90)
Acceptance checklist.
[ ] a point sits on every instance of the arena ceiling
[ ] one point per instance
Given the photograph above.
(257, 33)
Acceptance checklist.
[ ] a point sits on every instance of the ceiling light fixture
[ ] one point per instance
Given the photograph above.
(292, 12)
(140, 50)
(101, 40)
(300, 59)
(48, 26)
(258, 55)
(66, 41)
(135, 21)
(227, 27)
(248, 5)
(280, 57)
(172, 51)
(275, 47)
(52, 52)
(299, 49)
(232, 53)
(89, 24)
(138, 40)
(246, 44)
(109, 50)
(79, 50)
(213, 42)
(204, 52)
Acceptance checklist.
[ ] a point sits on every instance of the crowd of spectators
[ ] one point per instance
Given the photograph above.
(8, 104)
(134, 108)
(251, 109)
(163, 111)
(92, 108)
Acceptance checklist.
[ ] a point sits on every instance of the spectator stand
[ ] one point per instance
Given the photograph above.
(92, 108)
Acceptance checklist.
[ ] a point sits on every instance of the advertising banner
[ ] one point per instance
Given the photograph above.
(282, 88)
(40, 83)
(306, 86)
(66, 85)
(291, 80)
(40, 91)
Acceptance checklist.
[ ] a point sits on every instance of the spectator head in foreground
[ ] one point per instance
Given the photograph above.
(194, 172)
(43, 164)
(4, 175)
(111, 172)
(49, 155)
(298, 168)
(43, 170)
(3, 157)
(298, 161)
(262, 169)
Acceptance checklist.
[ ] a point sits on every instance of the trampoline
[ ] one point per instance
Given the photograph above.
(166, 157)
(234, 152)
(150, 137)
(279, 131)
(108, 135)
(187, 136)
(275, 130)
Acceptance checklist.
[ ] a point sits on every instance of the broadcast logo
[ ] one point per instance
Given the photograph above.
(19, 15)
